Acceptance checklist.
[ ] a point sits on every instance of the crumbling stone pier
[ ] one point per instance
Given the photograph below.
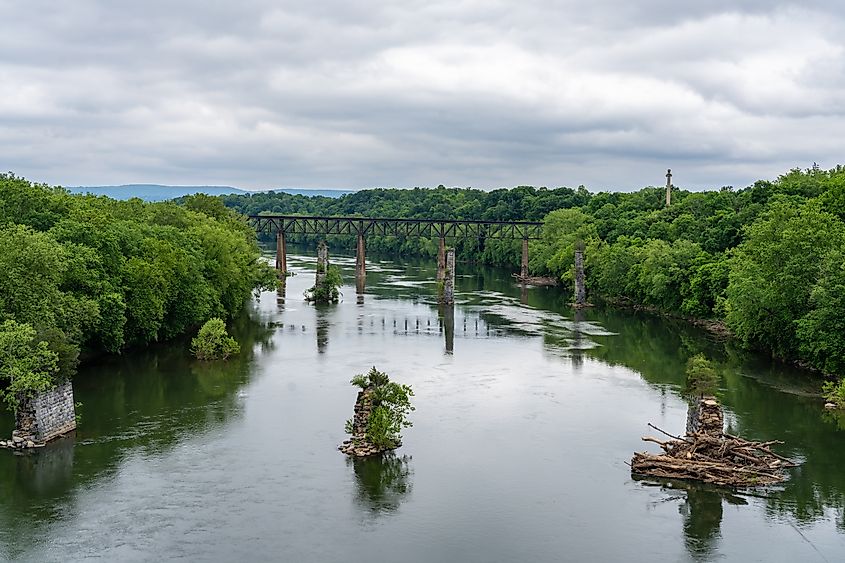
(42, 418)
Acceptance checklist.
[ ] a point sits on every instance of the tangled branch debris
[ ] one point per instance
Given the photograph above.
(721, 459)
(710, 455)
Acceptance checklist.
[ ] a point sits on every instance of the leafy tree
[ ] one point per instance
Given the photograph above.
(774, 272)
(708, 283)
(213, 342)
(821, 332)
(31, 268)
(27, 366)
(91, 274)
(563, 229)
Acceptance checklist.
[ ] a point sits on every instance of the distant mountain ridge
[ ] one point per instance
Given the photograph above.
(158, 192)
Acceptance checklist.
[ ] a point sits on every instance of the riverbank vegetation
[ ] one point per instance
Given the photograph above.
(766, 260)
(89, 275)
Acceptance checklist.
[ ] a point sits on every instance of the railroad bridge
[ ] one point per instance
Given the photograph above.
(362, 227)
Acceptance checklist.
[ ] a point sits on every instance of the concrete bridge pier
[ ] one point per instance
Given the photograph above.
(281, 255)
(361, 265)
(523, 270)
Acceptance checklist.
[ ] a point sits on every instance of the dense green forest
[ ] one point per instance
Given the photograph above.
(85, 275)
(768, 260)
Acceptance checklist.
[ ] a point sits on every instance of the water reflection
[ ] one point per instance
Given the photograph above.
(447, 317)
(273, 452)
(280, 295)
(578, 340)
(144, 403)
(322, 325)
(46, 471)
(764, 400)
(701, 510)
(382, 482)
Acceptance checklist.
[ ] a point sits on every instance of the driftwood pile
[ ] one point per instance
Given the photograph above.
(712, 456)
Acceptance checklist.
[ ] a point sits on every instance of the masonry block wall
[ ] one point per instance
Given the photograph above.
(52, 413)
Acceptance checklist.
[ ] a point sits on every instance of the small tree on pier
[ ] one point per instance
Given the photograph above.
(381, 412)
(326, 287)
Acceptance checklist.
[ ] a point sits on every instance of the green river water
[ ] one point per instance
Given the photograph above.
(526, 416)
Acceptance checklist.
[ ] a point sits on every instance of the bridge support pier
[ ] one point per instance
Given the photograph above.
(580, 286)
(360, 265)
(441, 261)
(523, 270)
(447, 295)
(322, 263)
(44, 417)
(281, 255)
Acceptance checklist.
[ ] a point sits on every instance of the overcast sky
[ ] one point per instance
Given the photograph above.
(482, 93)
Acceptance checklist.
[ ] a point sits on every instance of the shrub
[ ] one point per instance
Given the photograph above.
(213, 342)
(328, 291)
(834, 392)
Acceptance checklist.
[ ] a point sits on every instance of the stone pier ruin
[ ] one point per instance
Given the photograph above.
(43, 418)
(441, 260)
(447, 295)
(358, 445)
(322, 263)
(705, 415)
(580, 285)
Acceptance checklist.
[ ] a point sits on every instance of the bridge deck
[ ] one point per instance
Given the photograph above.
(430, 228)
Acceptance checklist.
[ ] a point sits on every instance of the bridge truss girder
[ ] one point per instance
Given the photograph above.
(429, 228)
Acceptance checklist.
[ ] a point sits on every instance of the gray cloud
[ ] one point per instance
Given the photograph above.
(467, 92)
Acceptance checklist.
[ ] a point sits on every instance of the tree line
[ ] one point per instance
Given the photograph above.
(768, 260)
(82, 275)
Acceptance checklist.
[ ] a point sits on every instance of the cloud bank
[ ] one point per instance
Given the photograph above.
(262, 94)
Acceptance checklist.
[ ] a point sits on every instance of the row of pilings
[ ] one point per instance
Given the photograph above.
(445, 268)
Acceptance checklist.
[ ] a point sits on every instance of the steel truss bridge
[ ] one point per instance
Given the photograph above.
(366, 226)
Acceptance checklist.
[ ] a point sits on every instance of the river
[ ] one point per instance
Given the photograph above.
(526, 416)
